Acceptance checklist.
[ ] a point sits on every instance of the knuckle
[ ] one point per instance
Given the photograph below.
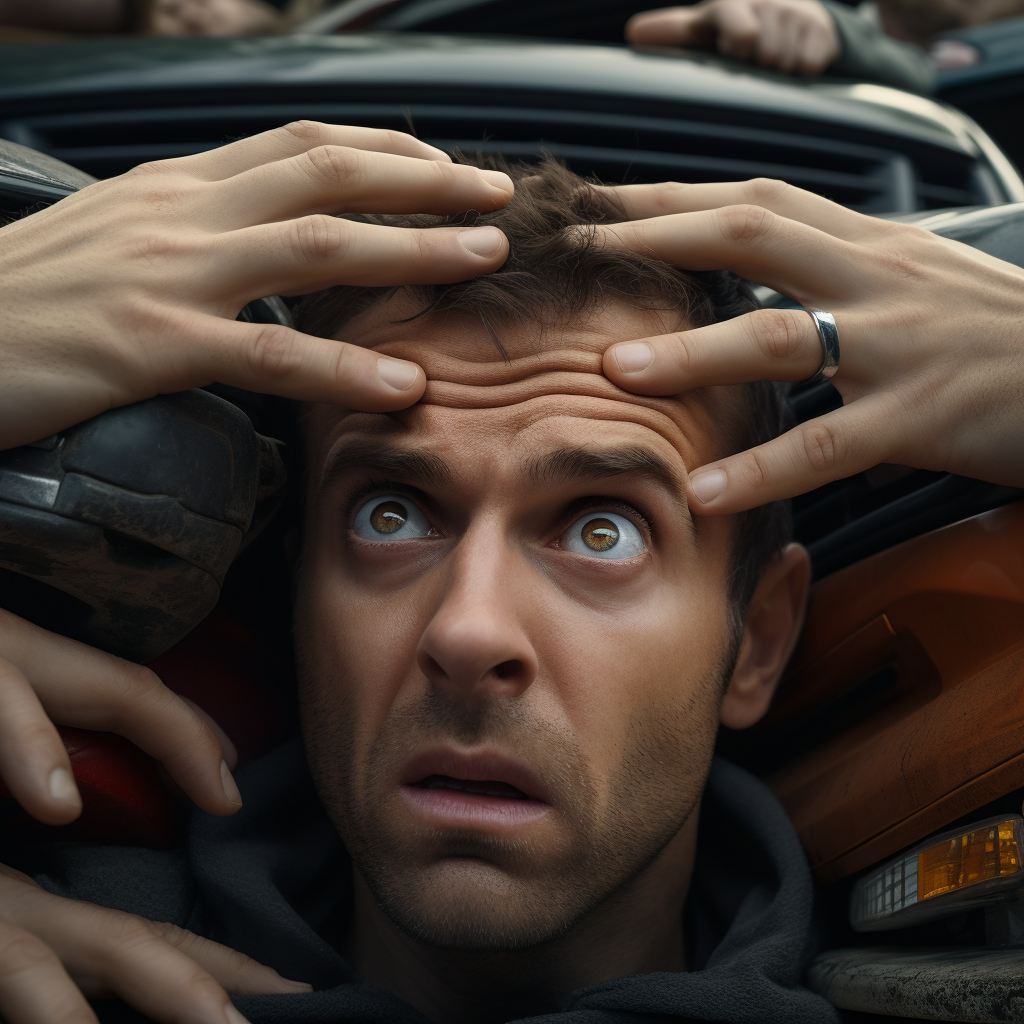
(901, 265)
(305, 131)
(745, 223)
(820, 446)
(22, 951)
(134, 684)
(155, 246)
(124, 933)
(317, 238)
(159, 186)
(152, 167)
(666, 195)
(335, 165)
(393, 139)
(189, 943)
(754, 470)
(684, 355)
(180, 938)
(765, 190)
(271, 351)
(778, 334)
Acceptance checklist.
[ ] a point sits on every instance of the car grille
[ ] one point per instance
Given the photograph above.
(623, 142)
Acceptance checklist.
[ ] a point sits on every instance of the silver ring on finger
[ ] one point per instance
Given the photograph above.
(825, 324)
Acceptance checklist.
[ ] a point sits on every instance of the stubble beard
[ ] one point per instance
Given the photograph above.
(465, 891)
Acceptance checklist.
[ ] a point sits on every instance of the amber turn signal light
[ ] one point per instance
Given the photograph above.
(948, 873)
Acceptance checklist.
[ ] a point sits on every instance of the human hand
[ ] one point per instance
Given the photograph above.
(45, 678)
(211, 17)
(54, 952)
(131, 287)
(931, 334)
(789, 35)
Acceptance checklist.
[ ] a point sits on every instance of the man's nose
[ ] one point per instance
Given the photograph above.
(476, 646)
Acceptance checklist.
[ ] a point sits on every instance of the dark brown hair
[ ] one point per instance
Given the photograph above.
(556, 275)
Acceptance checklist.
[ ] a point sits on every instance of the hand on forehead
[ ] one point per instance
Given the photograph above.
(529, 378)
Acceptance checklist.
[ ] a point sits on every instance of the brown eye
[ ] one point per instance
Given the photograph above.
(600, 534)
(388, 516)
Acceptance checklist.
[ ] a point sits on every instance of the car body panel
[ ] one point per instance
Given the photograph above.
(900, 711)
(141, 66)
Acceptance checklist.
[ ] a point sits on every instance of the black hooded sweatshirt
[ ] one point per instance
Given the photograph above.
(274, 882)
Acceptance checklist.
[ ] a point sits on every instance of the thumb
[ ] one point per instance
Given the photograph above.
(672, 26)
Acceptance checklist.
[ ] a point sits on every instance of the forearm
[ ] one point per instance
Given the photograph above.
(866, 52)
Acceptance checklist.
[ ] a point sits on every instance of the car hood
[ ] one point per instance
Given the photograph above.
(148, 65)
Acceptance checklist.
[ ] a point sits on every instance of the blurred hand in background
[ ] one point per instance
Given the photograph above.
(789, 35)
(60, 18)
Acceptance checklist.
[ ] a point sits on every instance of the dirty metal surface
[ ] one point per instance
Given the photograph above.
(976, 985)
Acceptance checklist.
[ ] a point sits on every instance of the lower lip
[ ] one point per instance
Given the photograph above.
(452, 807)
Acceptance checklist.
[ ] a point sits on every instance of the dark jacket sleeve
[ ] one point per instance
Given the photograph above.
(869, 54)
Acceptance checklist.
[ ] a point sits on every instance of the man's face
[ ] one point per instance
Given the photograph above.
(512, 635)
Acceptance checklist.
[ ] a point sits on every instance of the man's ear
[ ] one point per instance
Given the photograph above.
(773, 623)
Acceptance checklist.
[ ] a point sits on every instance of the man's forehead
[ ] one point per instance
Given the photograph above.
(548, 390)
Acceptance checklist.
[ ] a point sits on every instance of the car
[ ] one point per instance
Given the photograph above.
(896, 740)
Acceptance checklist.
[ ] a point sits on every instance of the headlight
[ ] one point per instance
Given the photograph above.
(945, 874)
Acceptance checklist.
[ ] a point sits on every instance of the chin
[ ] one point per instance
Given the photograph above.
(468, 905)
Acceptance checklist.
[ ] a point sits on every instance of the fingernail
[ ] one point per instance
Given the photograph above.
(232, 1016)
(62, 787)
(227, 780)
(302, 986)
(708, 486)
(397, 373)
(499, 180)
(635, 356)
(481, 241)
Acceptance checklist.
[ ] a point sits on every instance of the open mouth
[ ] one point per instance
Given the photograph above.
(484, 788)
(476, 790)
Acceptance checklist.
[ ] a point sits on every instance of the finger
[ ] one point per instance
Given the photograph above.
(34, 987)
(236, 972)
(643, 201)
(79, 686)
(831, 447)
(299, 137)
(110, 953)
(817, 51)
(794, 259)
(769, 344)
(305, 255)
(790, 34)
(277, 360)
(672, 26)
(739, 28)
(227, 745)
(341, 179)
(770, 41)
(33, 762)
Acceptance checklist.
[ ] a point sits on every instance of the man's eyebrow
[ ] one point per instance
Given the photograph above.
(386, 458)
(566, 464)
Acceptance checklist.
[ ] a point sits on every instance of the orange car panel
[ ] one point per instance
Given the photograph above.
(936, 627)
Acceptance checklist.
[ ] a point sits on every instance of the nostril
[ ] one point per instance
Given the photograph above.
(507, 669)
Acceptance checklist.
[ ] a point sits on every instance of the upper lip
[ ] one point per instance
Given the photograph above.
(480, 766)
